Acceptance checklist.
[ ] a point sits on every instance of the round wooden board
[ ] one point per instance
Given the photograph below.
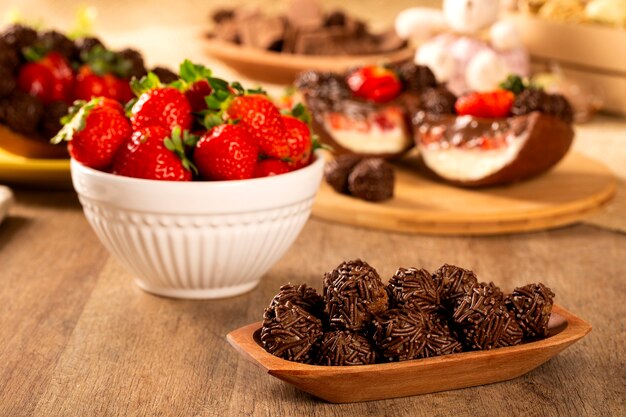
(565, 195)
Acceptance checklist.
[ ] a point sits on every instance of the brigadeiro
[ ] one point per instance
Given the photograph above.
(353, 293)
(439, 339)
(301, 295)
(454, 282)
(415, 289)
(345, 348)
(290, 332)
(531, 305)
(400, 334)
(484, 321)
(336, 171)
(372, 179)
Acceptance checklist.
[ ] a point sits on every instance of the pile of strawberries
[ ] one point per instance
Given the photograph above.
(197, 127)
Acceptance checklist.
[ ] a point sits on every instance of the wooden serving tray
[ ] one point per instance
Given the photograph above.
(282, 68)
(576, 187)
(342, 384)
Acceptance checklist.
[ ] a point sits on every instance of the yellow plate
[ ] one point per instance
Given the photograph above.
(52, 173)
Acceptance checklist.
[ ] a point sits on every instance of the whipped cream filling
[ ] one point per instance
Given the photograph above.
(374, 140)
(459, 164)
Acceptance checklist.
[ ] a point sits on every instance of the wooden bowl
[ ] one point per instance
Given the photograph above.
(282, 68)
(26, 147)
(342, 384)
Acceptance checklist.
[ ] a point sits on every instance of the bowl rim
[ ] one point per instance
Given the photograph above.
(77, 166)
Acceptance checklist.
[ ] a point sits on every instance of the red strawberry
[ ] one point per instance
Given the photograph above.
(88, 85)
(299, 139)
(374, 83)
(270, 167)
(166, 107)
(37, 80)
(96, 131)
(146, 155)
(226, 152)
(62, 74)
(117, 88)
(493, 104)
(196, 93)
(263, 121)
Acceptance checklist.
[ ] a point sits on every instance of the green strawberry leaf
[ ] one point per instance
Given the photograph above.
(514, 83)
(258, 90)
(34, 53)
(211, 120)
(75, 121)
(237, 87)
(145, 83)
(175, 144)
(190, 72)
(218, 84)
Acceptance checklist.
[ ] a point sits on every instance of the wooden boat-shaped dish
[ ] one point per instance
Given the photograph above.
(341, 384)
(282, 68)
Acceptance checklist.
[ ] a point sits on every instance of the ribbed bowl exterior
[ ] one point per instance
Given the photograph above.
(178, 247)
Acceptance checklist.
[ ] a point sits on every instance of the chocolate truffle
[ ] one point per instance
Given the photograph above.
(372, 179)
(353, 293)
(453, 282)
(415, 289)
(439, 339)
(165, 75)
(414, 77)
(531, 306)
(438, 101)
(336, 171)
(300, 295)
(345, 348)
(400, 334)
(290, 332)
(483, 320)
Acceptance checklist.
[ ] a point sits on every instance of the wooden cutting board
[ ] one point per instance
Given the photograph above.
(575, 188)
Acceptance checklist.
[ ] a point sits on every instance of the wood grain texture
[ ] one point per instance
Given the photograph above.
(78, 338)
(575, 188)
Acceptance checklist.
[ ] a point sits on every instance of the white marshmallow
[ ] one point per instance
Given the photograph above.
(436, 57)
(504, 36)
(470, 16)
(485, 71)
(419, 22)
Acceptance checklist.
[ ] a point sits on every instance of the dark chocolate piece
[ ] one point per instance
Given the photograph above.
(134, 62)
(9, 58)
(51, 120)
(53, 40)
(18, 37)
(345, 348)
(484, 321)
(454, 283)
(301, 295)
(290, 332)
(532, 99)
(415, 289)
(22, 112)
(439, 339)
(85, 45)
(221, 15)
(531, 306)
(372, 179)
(438, 101)
(260, 31)
(399, 335)
(8, 82)
(353, 293)
(165, 75)
(415, 78)
(337, 170)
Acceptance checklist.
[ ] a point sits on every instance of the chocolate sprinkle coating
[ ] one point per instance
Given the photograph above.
(336, 171)
(9, 58)
(165, 75)
(414, 77)
(531, 306)
(414, 289)
(22, 112)
(531, 100)
(438, 101)
(354, 293)
(439, 338)
(8, 82)
(301, 295)
(400, 334)
(345, 348)
(484, 321)
(372, 179)
(51, 120)
(134, 60)
(53, 40)
(454, 283)
(291, 333)
(18, 37)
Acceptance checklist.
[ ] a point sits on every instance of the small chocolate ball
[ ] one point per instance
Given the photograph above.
(438, 101)
(134, 62)
(165, 75)
(454, 283)
(51, 120)
(323, 85)
(531, 306)
(9, 58)
(414, 289)
(415, 78)
(439, 339)
(22, 112)
(8, 82)
(354, 293)
(345, 348)
(18, 37)
(301, 295)
(291, 333)
(400, 335)
(85, 45)
(372, 179)
(337, 170)
(53, 40)
(484, 321)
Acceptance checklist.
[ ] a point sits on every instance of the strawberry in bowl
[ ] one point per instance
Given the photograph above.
(197, 200)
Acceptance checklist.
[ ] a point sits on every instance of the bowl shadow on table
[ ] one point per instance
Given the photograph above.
(54, 199)
(11, 226)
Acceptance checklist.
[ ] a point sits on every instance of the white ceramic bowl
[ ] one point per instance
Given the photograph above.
(197, 239)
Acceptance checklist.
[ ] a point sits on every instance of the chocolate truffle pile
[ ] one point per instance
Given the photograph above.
(359, 320)
(370, 179)
(304, 28)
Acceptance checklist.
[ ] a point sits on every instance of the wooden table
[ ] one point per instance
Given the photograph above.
(78, 338)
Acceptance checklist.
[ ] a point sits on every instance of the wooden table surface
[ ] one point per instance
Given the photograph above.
(78, 338)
